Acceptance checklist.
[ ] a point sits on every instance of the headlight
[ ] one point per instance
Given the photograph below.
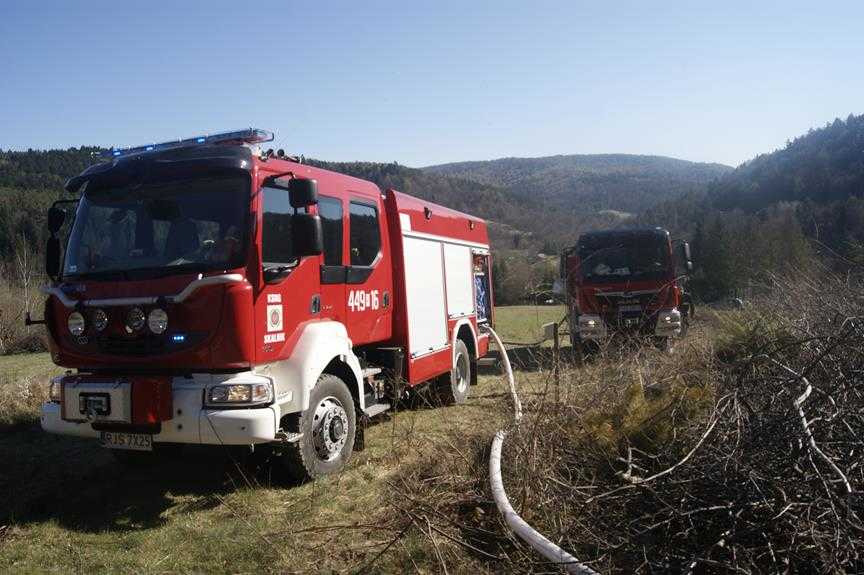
(100, 319)
(240, 393)
(157, 321)
(135, 319)
(76, 323)
(54, 389)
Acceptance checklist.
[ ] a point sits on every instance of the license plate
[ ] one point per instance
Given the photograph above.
(131, 441)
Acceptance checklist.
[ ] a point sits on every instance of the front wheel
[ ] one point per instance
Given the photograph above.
(663, 343)
(328, 427)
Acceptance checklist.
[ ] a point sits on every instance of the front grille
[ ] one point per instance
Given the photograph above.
(144, 345)
(629, 312)
(138, 346)
(616, 300)
(631, 321)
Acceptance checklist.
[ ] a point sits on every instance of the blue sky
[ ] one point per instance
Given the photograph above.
(429, 82)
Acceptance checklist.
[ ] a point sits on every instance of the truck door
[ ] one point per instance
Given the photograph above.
(332, 211)
(289, 288)
(369, 276)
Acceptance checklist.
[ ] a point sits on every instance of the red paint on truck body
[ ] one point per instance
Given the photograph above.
(225, 326)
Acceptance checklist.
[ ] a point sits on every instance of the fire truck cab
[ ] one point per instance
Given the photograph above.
(626, 281)
(214, 292)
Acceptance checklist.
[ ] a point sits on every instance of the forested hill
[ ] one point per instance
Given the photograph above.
(823, 166)
(43, 170)
(582, 184)
(778, 213)
(541, 203)
(510, 216)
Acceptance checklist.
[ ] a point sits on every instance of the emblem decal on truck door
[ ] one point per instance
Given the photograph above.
(274, 317)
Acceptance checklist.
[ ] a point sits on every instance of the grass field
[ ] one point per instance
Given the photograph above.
(26, 365)
(69, 507)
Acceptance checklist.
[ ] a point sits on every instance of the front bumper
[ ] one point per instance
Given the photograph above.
(591, 327)
(664, 323)
(668, 323)
(191, 421)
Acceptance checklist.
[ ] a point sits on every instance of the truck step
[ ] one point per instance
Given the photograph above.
(375, 409)
(288, 437)
(370, 372)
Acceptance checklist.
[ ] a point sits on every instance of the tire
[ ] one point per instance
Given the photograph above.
(663, 343)
(685, 325)
(329, 427)
(456, 387)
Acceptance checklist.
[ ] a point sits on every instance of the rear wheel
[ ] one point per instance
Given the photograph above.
(455, 389)
(328, 427)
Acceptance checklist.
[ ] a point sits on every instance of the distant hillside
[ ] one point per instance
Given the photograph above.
(822, 166)
(584, 184)
(43, 169)
(509, 215)
(777, 213)
(539, 204)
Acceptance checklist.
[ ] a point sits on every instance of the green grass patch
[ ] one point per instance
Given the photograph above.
(69, 507)
(524, 323)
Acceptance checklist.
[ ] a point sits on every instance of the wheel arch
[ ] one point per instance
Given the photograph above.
(323, 347)
(343, 371)
(464, 331)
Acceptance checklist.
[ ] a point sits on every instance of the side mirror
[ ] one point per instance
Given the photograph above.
(684, 256)
(52, 257)
(302, 192)
(307, 235)
(56, 217)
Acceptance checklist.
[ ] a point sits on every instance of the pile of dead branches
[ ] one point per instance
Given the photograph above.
(766, 477)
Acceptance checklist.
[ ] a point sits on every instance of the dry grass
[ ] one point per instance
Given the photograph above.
(712, 459)
(15, 302)
(634, 460)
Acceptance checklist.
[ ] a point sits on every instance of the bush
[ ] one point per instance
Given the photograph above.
(709, 459)
(15, 300)
(732, 464)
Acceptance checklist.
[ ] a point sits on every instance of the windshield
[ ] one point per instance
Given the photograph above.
(616, 258)
(161, 228)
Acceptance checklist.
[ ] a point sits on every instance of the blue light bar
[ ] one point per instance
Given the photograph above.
(249, 136)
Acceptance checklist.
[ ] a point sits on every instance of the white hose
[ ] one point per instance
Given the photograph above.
(518, 525)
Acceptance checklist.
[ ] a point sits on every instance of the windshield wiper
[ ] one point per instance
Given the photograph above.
(273, 273)
(163, 271)
(99, 275)
(142, 273)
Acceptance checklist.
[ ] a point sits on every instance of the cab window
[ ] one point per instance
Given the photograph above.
(365, 234)
(276, 231)
(330, 210)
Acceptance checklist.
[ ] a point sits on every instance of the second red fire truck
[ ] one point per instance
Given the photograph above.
(626, 281)
(214, 292)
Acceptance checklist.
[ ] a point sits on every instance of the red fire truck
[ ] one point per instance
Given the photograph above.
(215, 292)
(626, 282)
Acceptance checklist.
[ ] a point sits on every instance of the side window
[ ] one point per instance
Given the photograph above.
(365, 235)
(330, 210)
(276, 230)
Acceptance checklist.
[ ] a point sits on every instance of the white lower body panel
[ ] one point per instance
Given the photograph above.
(191, 422)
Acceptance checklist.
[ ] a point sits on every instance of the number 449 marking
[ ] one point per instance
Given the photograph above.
(359, 300)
